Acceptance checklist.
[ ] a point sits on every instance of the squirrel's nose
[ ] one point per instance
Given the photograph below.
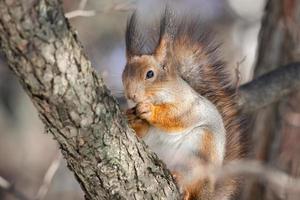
(132, 96)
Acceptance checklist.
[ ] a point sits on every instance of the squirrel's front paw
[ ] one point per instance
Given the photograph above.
(144, 110)
(130, 114)
(140, 126)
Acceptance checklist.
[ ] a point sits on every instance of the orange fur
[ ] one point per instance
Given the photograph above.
(140, 127)
(202, 189)
(207, 147)
(162, 117)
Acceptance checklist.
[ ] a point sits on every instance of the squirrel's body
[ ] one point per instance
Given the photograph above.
(174, 146)
(185, 110)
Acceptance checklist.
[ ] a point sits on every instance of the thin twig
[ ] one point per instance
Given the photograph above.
(48, 177)
(9, 188)
(81, 12)
(238, 74)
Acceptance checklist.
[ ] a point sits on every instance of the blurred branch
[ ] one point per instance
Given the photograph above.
(81, 12)
(278, 180)
(269, 88)
(8, 187)
(48, 177)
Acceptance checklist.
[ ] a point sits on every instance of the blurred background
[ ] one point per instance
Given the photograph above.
(26, 152)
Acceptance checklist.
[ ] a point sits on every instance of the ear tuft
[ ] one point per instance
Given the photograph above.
(160, 53)
(167, 32)
(131, 35)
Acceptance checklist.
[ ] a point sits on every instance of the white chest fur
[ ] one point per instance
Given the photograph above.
(180, 150)
(174, 149)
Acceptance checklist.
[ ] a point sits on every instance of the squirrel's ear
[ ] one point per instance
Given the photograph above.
(167, 28)
(161, 50)
(132, 36)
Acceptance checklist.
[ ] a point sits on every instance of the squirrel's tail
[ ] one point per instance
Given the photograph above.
(197, 59)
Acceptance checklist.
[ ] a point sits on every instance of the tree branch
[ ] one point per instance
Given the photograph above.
(75, 106)
(269, 88)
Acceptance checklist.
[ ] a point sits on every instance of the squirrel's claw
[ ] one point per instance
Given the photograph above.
(139, 125)
(144, 110)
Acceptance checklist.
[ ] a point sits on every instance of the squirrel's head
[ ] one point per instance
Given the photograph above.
(158, 56)
(150, 71)
(145, 77)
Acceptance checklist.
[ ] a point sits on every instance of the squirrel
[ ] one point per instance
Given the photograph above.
(185, 105)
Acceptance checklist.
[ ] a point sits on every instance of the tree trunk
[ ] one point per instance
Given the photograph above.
(274, 139)
(107, 159)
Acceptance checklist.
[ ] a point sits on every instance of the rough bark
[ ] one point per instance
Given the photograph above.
(75, 106)
(279, 42)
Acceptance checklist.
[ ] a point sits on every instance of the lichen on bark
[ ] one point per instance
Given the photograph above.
(76, 107)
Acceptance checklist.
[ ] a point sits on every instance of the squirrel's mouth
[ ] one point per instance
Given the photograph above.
(131, 103)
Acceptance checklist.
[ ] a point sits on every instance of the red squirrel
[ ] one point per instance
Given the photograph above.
(185, 109)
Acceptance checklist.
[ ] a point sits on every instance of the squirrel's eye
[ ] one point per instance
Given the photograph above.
(149, 74)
